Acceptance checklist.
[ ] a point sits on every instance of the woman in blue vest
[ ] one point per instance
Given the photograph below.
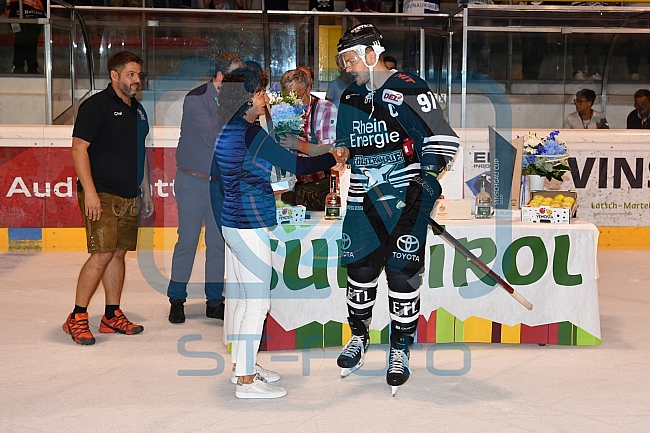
(244, 156)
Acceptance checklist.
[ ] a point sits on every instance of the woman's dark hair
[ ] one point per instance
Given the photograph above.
(237, 91)
(588, 94)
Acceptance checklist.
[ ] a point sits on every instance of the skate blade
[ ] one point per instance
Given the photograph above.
(345, 372)
(393, 389)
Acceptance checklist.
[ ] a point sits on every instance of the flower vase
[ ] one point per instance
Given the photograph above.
(533, 183)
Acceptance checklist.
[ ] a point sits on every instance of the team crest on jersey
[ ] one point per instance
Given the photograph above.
(392, 97)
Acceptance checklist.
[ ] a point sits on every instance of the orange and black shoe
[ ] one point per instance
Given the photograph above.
(77, 326)
(119, 324)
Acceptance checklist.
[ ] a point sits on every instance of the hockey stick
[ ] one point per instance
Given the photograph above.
(440, 231)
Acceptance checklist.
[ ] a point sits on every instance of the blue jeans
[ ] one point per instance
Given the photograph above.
(195, 209)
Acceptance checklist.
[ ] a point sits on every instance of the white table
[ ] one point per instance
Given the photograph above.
(556, 269)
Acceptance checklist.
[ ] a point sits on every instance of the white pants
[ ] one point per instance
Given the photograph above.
(252, 248)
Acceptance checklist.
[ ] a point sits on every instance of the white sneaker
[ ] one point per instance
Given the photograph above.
(579, 76)
(635, 77)
(596, 76)
(270, 376)
(260, 388)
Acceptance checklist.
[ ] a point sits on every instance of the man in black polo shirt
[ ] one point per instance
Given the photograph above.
(199, 129)
(638, 118)
(109, 157)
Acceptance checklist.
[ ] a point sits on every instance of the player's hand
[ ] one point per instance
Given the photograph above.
(289, 142)
(341, 155)
(344, 153)
(147, 206)
(93, 206)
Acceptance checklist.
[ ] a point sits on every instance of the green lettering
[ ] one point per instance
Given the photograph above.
(540, 260)
(462, 264)
(319, 266)
(341, 271)
(436, 266)
(561, 263)
(274, 274)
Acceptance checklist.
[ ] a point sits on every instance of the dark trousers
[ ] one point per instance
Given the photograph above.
(195, 208)
(26, 46)
(638, 47)
(533, 48)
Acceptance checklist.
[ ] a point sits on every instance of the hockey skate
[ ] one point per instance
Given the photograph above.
(398, 361)
(351, 358)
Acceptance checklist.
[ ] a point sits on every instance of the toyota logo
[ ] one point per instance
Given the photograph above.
(408, 243)
(346, 241)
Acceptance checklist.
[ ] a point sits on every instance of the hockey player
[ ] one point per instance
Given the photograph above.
(399, 143)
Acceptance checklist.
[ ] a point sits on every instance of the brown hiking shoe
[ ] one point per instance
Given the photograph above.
(119, 324)
(77, 326)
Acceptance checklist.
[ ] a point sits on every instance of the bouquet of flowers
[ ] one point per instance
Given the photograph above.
(546, 157)
(287, 111)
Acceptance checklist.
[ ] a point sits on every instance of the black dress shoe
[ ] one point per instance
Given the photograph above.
(215, 312)
(177, 312)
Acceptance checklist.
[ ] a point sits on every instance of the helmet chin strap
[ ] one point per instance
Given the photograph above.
(378, 49)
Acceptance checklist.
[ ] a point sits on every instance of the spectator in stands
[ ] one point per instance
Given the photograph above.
(479, 43)
(390, 63)
(585, 117)
(411, 53)
(26, 39)
(193, 189)
(533, 49)
(589, 44)
(637, 45)
(638, 118)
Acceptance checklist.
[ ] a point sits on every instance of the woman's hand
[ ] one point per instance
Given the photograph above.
(289, 142)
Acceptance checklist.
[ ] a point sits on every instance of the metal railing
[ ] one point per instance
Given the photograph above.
(178, 46)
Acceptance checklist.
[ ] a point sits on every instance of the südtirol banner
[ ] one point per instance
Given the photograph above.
(552, 265)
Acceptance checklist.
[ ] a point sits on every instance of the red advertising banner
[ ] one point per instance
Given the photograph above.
(39, 188)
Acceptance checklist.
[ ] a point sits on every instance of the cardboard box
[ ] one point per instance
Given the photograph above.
(452, 209)
(547, 214)
(290, 214)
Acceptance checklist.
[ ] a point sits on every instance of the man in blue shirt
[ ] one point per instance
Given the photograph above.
(200, 127)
